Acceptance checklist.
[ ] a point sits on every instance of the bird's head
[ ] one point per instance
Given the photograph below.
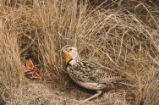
(70, 53)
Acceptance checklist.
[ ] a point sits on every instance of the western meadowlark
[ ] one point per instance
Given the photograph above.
(88, 74)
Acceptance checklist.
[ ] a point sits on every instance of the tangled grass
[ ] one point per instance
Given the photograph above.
(122, 35)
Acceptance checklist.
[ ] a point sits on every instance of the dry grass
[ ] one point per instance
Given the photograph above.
(122, 35)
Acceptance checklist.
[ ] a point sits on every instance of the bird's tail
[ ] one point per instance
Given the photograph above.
(127, 84)
(124, 83)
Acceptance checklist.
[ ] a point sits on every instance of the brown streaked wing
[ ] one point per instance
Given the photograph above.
(90, 72)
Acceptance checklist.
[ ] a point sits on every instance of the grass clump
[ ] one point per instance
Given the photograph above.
(122, 35)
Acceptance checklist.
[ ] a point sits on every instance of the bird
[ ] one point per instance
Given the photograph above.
(88, 74)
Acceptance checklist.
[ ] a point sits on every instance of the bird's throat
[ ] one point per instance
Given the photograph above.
(67, 57)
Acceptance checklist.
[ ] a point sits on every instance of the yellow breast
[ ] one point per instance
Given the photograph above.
(67, 57)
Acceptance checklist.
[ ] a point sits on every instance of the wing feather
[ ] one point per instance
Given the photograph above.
(90, 72)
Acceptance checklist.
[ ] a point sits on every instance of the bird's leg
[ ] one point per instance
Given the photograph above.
(99, 92)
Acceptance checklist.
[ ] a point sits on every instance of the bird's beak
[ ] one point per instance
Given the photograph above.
(60, 50)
